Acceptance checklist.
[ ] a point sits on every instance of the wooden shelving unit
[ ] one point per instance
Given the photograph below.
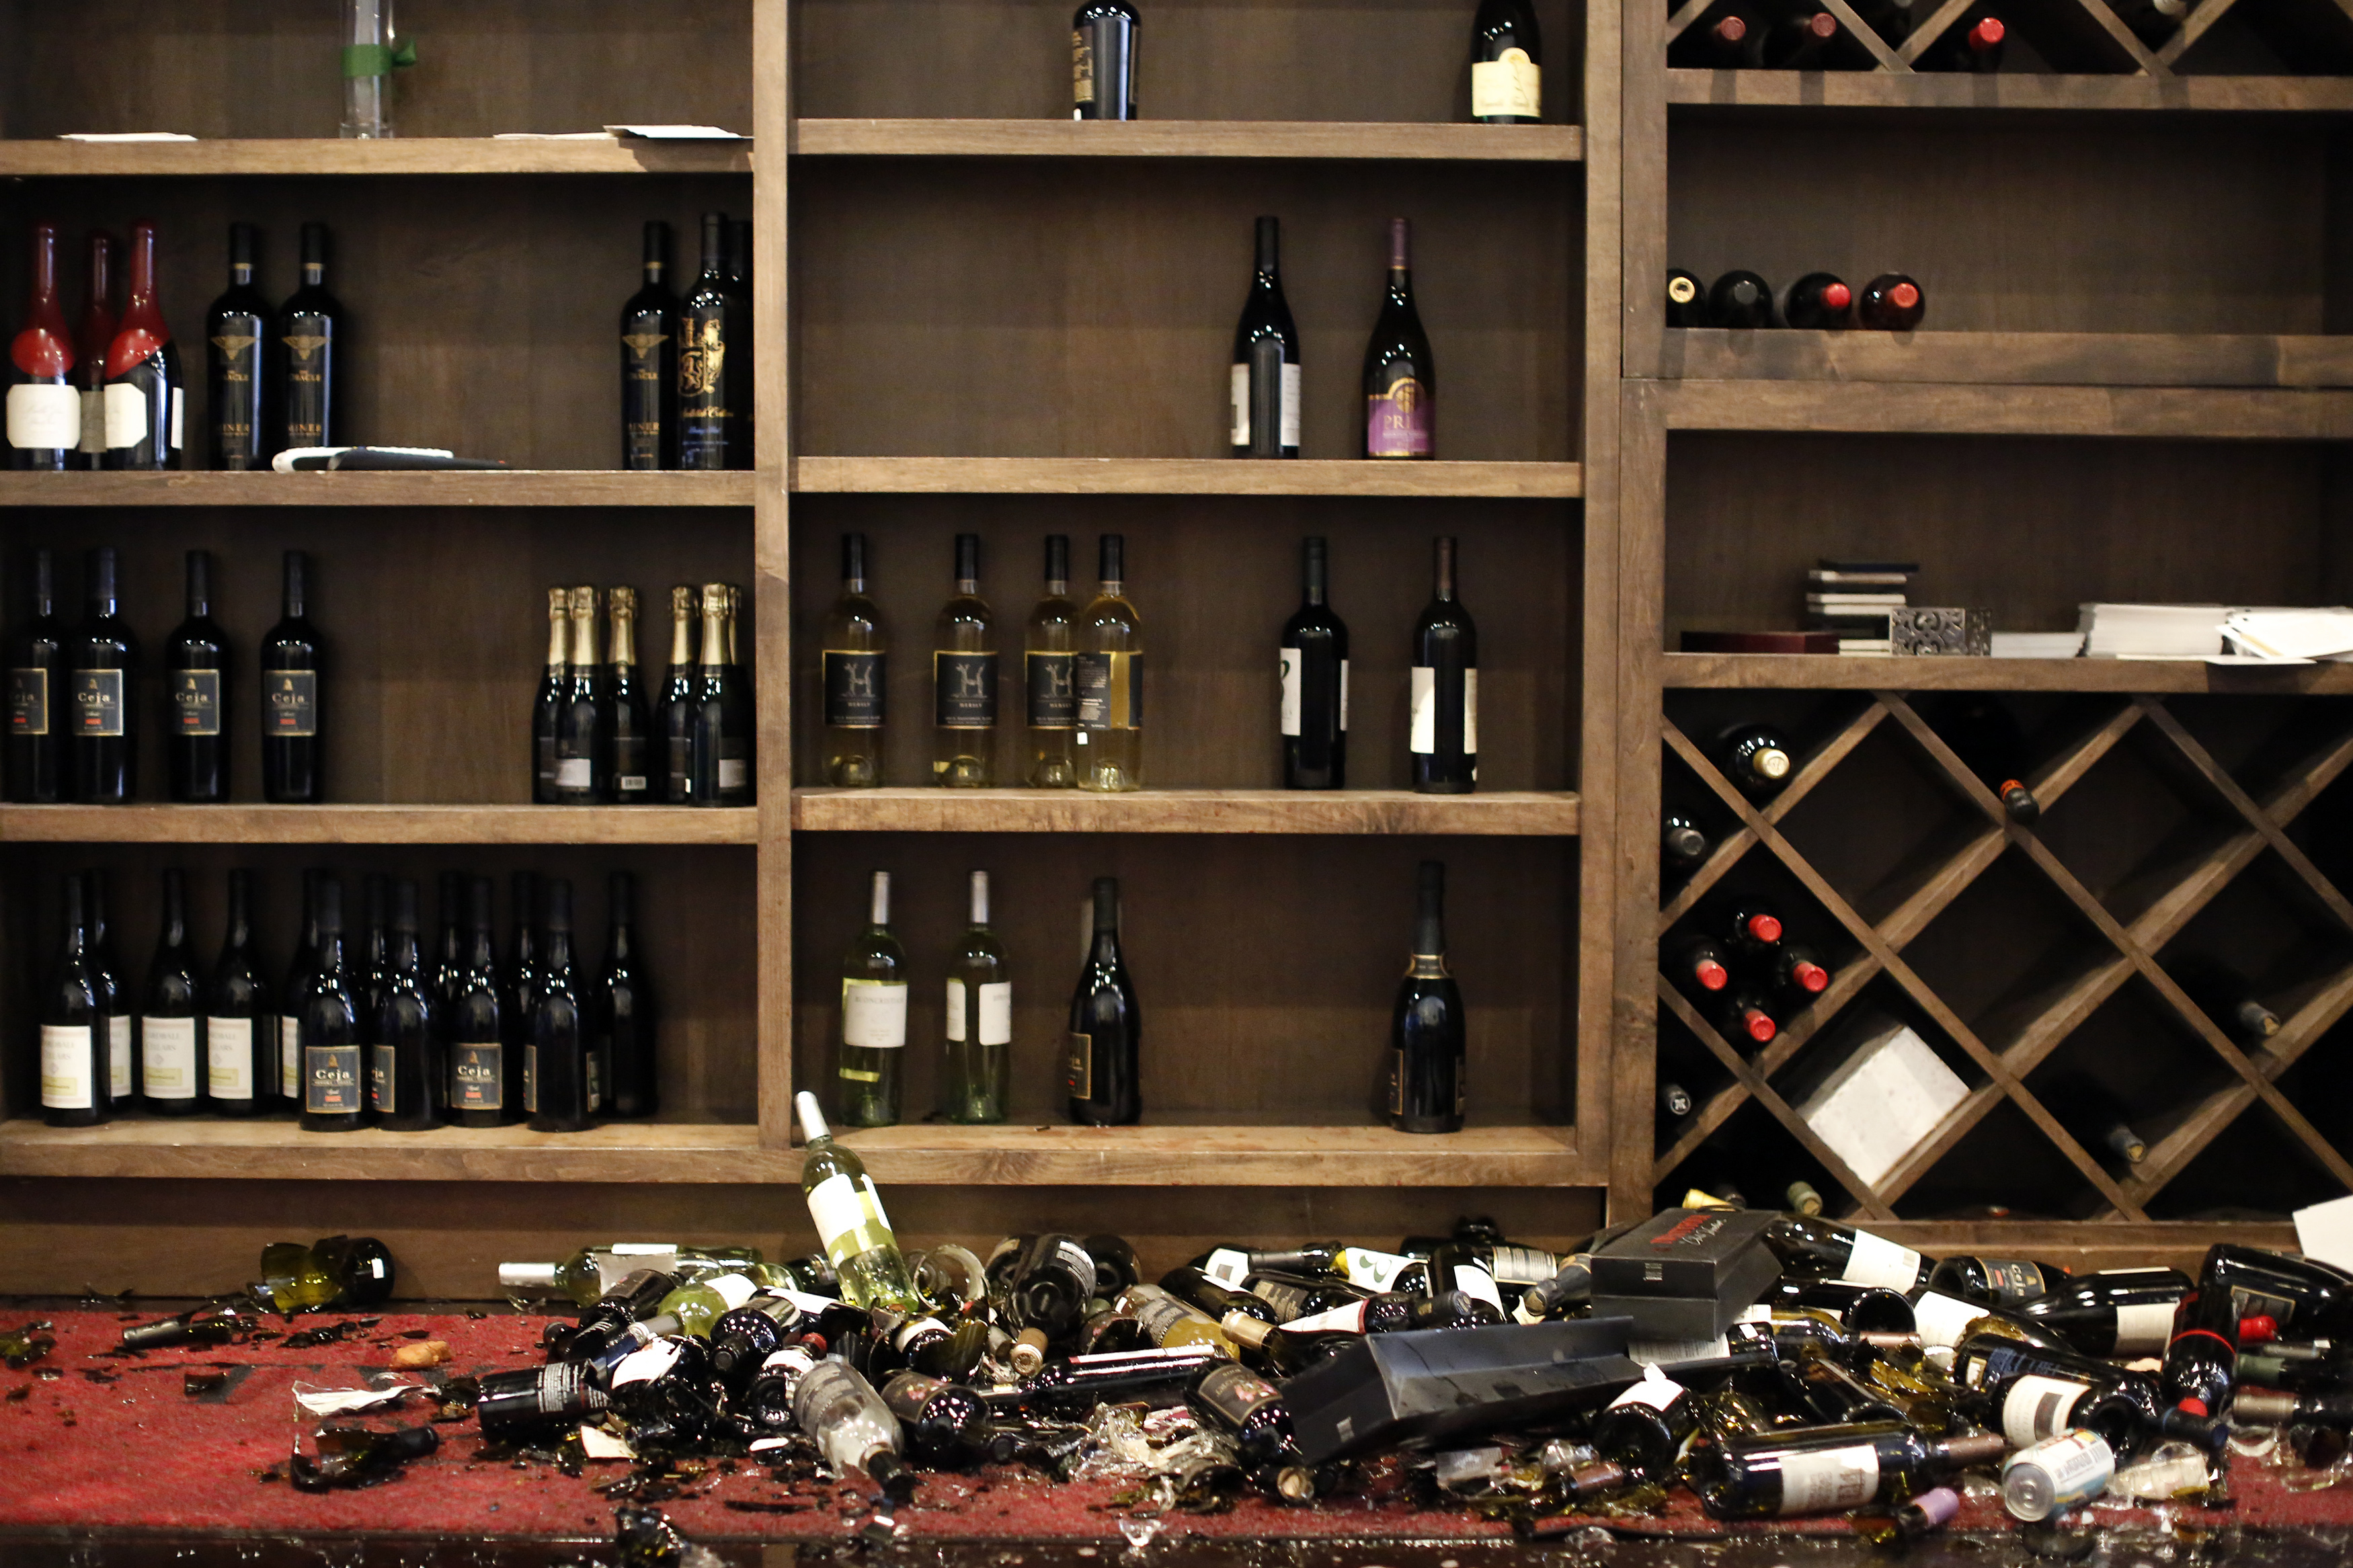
(1507, 812)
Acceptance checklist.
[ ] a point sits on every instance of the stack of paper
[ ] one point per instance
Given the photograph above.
(1852, 598)
(2293, 636)
(2037, 644)
(2152, 631)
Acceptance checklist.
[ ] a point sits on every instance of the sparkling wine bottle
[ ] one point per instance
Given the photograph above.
(93, 337)
(583, 712)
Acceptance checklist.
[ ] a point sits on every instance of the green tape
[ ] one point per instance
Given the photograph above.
(377, 59)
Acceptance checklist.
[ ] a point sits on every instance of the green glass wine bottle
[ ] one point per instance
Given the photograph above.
(979, 1028)
(873, 1016)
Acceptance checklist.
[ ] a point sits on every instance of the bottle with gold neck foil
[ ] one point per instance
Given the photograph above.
(581, 760)
(547, 708)
(634, 782)
(675, 740)
(720, 772)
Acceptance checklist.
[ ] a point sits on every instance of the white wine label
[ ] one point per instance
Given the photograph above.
(874, 1013)
(849, 1217)
(531, 1078)
(1373, 1270)
(1347, 1319)
(996, 1013)
(1286, 670)
(1228, 1266)
(1079, 1263)
(1239, 392)
(573, 773)
(1470, 714)
(1478, 1284)
(1510, 87)
(1877, 1261)
(2038, 1407)
(118, 1056)
(93, 421)
(1667, 1352)
(1828, 1480)
(168, 1063)
(953, 1011)
(45, 418)
(2144, 1329)
(1941, 1319)
(126, 414)
(179, 416)
(1343, 697)
(1291, 406)
(734, 773)
(1655, 1390)
(1422, 729)
(66, 1068)
(289, 1058)
(1524, 1265)
(228, 1057)
(1240, 434)
(734, 1290)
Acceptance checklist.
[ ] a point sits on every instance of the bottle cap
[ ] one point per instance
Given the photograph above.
(1904, 296)
(1986, 34)
(812, 1119)
(1822, 25)
(1838, 296)
(1710, 976)
(1937, 1505)
(527, 1276)
(1732, 29)
(1764, 927)
(1760, 1028)
(1811, 977)
(2256, 1328)
(2193, 1406)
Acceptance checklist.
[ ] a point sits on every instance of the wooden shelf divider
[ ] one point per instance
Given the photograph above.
(1187, 139)
(376, 825)
(1948, 408)
(1185, 477)
(2012, 359)
(473, 488)
(919, 810)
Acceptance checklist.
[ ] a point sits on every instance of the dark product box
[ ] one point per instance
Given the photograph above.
(1429, 1388)
(1685, 1274)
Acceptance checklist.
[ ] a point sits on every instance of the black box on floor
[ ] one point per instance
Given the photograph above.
(1430, 1386)
(1686, 1274)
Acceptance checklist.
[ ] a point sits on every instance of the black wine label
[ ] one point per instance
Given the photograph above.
(631, 781)
(475, 1078)
(380, 1080)
(98, 703)
(1109, 688)
(236, 389)
(853, 689)
(1079, 1067)
(29, 702)
(310, 369)
(331, 1079)
(1053, 700)
(195, 701)
(289, 702)
(964, 690)
(641, 393)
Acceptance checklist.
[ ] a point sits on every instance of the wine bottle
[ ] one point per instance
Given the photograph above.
(978, 1069)
(1049, 1279)
(195, 749)
(673, 734)
(93, 338)
(1220, 1302)
(582, 732)
(334, 1081)
(1687, 299)
(632, 753)
(1314, 671)
(1817, 300)
(1744, 1015)
(1890, 302)
(523, 954)
(721, 771)
(105, 689)
(547, 703)
(1675, 1099)
(1720, 40)
(1755, 757)
(301, 971)
(1701, 962)
(2154, 21)
(1826, 1249)
(1506, 61)
(1973, 44)
(1049, 644)
(292, 668)
(713, 363)
(1985, 735)
(944, 1421)
(2303, 1297)
(964, 680)
(1741, 299)
(1443, 729)
(623, 1012)
(1798, 974)
(1102, 1072)
(306, 330)
(1996, 1281)
(44, 409)
(2223, 995)
(852, 1428)
(1829, 1470)
(650, 362)
(560, 1085)
(2117, 1313)
(485, 1076)
(1683, 843)
(405, 1072)
(1266, 360)
(37, 659)
(241, 1031)
(121, 1047)
(1068, 1389)
(1428, 1046)
(873, 1016)
(1400, 380)
(1797, 40)
(1103, 35)
(73, 1028)
(1644, 1428)
(855, 659)
(144, 402)
(171, 1045)
(240, 418)
(1107, 680)
(847, 1213)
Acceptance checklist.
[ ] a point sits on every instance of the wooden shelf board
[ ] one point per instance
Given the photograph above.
(2006, 89)
(1225, 1156)
(2012, 359)
(1951, 408)
(376, 825)
(1185, 476)
(1836, 672)
(398, 155)
(2080, 1244)
(510, 487)
(1182, 811)
(1187, 139)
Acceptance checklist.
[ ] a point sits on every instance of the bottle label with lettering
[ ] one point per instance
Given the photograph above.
(475, 1078)
(1109, 688)
(995, 1001)
(874, 1013)
(853, 689)
(1398, 421)
(289, 702)
(29, 702)
(67, 1067)
(381, 1093)
(46, 418)
(167, 1066)
(118, 1055)
(228, 1059)
(1079, 1065)
(331, 1082)
(98, 703)
(195, 701)
(1510, 87)
(964, 690)
(1053, 700)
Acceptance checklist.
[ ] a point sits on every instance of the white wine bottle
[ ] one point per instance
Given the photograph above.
(847, 1213)
(1047, 652)
(979, 1029)
(964, 680)
(1107, 672)
(873, 1016)
(855, 657)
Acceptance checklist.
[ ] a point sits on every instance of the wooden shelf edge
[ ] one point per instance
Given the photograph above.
(508, 486)
(2078, 1245)
(2010, 359)
(1185, 476)
(1225, 1156)
(397, 156)
(1188, 138)
(2005, 89)
(376, 825)
(274, 1149)
(1960, 408)
(1182, 811)
(1834, 672)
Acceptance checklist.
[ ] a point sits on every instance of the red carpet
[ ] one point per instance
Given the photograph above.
(116, 1443)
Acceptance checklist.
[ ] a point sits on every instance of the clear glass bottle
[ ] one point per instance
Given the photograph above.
(847, 1213)
(1107, 673)
(855, 656)
(1046, 644)
(873, 1016)
(979, 1046)
(964, 680)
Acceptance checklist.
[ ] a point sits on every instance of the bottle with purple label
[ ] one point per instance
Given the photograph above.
(1401, 386)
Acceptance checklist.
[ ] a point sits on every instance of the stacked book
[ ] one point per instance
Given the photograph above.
(1852, 599)
(2152, 631)
(2290, 637)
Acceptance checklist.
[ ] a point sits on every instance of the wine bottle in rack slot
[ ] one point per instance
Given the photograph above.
(1818, 300)
(1724, 37)
(1891, 302)
(2096, 1115)
(978, 1071)
(73, 1027)
(1265, 374)
(238, 368)
(582, 764)
(1973, 44)
(301, 971)
(93, 338)
(1740, 299)
(292, 700)
(720, 772)
(1988, 738)
(1829, 1249)
(44, 407)
(1506, 64)
(196, 668)
(241, 1029)
(713, 370)
(1753, 929)
(1700, 965)
(1675, 1099)
(873, 1016)
(306, 351)
(1756, 757)
(2153, 21)
(1103, 60)
(334, 1076)
(632, 756)
(1798, 973)
(405, 1070)
(1313, 670)
(171, 1033)
(105, 691)
(40, 704)
(1427, 1041)
(1799, 38)
(146, 405)
(963, 680)
(2223, 995)
(559, 1075)
(1101, 1073)
(1443, 726)
(621, 1014)
(1048, 642)
(121, 1045)
(650, 362)
(1687, 299)
(485, 1055)
(1683, 843)
(1401, 380)
(1743, 1014)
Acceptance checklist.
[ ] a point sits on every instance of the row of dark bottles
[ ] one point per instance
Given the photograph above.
(78, 711)
(601, 736)
(369, 1029)
(1759, 761)
(1799, 35)
(687, 364)
(1746, 968)
(1819, 301)
(1400, 381)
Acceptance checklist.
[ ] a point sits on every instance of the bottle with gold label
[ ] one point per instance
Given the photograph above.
(306, 351)
(650, 362)
(1506, 61)
(236, 331)
(847, 1212)
(1103, 60)
(1107, 678)
(714, 363)
(547, 703)
(195, 739)
(873, 1016)
(964, 680)
(856, 661)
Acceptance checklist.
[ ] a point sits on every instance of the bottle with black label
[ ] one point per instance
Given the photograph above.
(855, 660)
(171, 1037)
(1429, 1047)
(73, 1028)
(547, 703)
(196, 746)
(674, 741)
(1103, 60)
(241, 1029)
(301, 971)
(235, 330)
(306, 351)
(485, 1063)
(714, 363)
(1313, 667)
(334, 1077)
(964, 680)
(630, 725)
(1443, 727)
(582, 737)
(1506, 64)
(720, 770)
(144, 405)
(558, 1071)
(105, 693)
(1266, 375)
(121, 1047)
(650, 362)
(44, 407)
(37, 696)
(1107, 678)
(291, 698)
(406, 1076)
(621, 1011)
(1048, 647)
(1101, 1075)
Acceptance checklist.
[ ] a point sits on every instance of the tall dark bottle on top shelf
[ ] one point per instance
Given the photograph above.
(93, 338)
(1313, 665)
(307, 329)
(334, 1077)
(1506, 64)
(239, 365)
(1443, 725)
(73, 1028)
(582, 764)
(621, 1011)
(650, 362)
(1101, 1071)
(721, 772)
(547, 703)
(715, 363)
(40, 702)
(1265, 376)
(146, 405)
(105, 692)
(171, 1044)
(44, 407)
(558, 1070)
(635, 754)
(197, 671)
(1427, 1045)
(485, 1055)
(1400, 380)
(404, 1070)
(291, 698)
(1103, 60)
(241, 1029)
